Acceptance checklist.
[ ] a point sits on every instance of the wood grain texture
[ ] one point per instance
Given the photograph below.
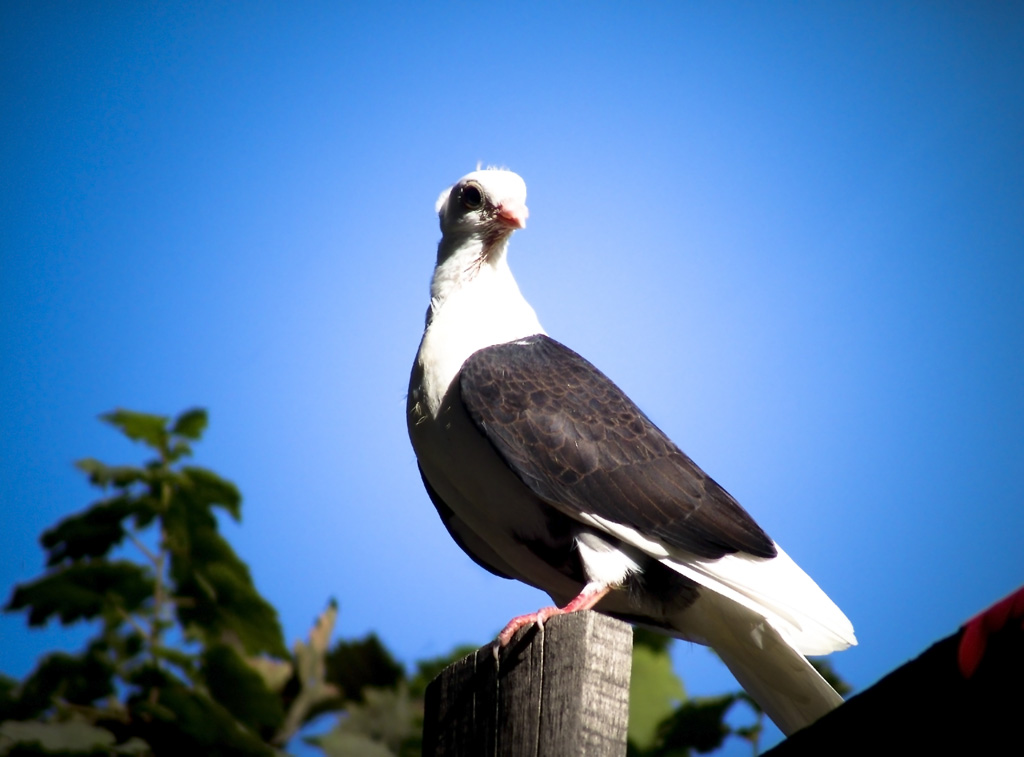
(563, 690)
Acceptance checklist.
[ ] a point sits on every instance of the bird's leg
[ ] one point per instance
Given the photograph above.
(592, 594)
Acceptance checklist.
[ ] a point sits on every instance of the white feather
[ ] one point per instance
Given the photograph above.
(774, 588)
(602, 562)
(778, 677)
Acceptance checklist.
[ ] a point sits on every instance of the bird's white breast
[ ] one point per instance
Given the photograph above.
(485, 311)
(461, 466)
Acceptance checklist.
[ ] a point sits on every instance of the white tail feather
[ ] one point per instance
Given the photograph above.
(762, 615)
(776, 589)
(780, 679)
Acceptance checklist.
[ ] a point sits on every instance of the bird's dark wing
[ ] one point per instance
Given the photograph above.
(580, 444)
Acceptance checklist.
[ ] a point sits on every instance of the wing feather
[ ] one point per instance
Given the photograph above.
(580, 444)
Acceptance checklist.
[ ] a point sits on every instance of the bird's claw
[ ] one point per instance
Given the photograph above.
(524, 620)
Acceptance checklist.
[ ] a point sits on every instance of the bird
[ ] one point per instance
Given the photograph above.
(543, 470)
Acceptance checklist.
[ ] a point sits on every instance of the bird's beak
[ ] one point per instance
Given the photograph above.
(513, 213)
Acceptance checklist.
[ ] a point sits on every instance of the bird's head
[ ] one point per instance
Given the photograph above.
(488, 204)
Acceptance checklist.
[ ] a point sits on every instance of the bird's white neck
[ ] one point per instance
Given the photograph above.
(474, 303)
(460, 260)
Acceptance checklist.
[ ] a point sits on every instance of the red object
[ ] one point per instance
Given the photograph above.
(978, 628)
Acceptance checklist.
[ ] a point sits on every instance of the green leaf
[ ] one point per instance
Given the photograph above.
(72, 736)
(140, 427)
(698, 724)
(83, 590)
(240, 689)
(207, 489)
(186, 662)
(275, 674)
(222, 596)
(8, 698)
(387, 718)
(183, 721)
(78, 679)
(191, 424)
(428, 670)
(654, 692)
(657, 642)
(355, 665)
(338, 743)
(90, 534)
(101, 474)
(178, 450)
(133, 746)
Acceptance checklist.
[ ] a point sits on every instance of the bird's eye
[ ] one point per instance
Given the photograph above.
(472, 198)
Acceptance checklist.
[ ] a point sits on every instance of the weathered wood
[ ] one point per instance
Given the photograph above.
(562, 690)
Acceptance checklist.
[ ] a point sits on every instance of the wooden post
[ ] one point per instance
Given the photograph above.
(563, 690)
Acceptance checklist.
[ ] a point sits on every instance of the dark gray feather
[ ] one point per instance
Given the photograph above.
(581, 445)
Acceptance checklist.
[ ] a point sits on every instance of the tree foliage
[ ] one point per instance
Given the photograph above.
(188, 658)
(187, 655)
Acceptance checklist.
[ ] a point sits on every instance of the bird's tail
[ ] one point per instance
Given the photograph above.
(778, 677)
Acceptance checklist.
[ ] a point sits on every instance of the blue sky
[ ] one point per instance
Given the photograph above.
(793, 234)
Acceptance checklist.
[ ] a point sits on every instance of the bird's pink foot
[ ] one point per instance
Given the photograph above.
(524, 620)
(590, 596)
